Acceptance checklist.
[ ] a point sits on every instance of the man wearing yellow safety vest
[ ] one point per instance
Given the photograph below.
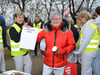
(38, 23)
(89, 42)
(1, 51)
(20, 56)
(3, 43)
(96, 65)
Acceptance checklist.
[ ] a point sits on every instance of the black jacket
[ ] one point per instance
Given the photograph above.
(15, 36)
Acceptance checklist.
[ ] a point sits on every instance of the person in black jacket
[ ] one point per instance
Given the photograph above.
(71, 57)
(20, 56)
(74, 30)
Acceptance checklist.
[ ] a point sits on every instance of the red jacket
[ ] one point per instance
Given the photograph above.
(60, 37)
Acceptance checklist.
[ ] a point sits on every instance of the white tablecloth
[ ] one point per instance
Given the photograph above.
(14, 71)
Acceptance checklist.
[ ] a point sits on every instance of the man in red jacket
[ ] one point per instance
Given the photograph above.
(59, 42)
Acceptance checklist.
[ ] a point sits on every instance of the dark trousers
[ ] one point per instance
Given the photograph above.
(35, 51)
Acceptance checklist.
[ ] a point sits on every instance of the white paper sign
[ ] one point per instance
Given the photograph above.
(28, 38)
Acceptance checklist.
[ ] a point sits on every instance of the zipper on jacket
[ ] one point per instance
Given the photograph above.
(63, 57)
(54, 45)
(45, 52)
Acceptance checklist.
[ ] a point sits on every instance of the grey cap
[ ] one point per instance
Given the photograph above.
(55, 13)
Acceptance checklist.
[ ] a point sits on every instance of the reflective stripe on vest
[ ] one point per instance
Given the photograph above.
(94, 42)
(1, 39)
(99, 36)
(15, 50)
(76, 26)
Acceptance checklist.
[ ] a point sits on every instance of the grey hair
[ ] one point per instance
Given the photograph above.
(55, 13)
(18, 13)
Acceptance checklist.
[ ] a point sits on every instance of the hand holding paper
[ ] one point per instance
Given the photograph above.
(25, 25)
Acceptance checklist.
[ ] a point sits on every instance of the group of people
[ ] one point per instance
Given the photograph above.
(61, 40)
(88, 46)
(20, 57)
(89, 42)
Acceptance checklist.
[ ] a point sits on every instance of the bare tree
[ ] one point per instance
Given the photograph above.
(3, 4)
(30, 10)
(21, 3)
(63, 4)
(48, 6)
(38, 8)
(74, 8)
(44, 7)
(90, 4)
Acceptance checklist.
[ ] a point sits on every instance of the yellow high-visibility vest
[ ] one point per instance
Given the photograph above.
(76, 26)
(15, 50)
(1, 39)
(94, 42)
(38, 26)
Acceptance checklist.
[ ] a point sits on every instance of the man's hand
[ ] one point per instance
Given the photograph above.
(1, 49)
(73, 52)
(25, 25)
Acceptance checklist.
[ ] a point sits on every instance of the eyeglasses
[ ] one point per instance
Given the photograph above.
(56, 19)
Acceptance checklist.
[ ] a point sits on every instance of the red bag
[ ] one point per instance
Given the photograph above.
(70, 69)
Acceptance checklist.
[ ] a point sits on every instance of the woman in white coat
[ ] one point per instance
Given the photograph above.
(89, 41)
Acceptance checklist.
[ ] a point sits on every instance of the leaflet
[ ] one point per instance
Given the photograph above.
(28, 38)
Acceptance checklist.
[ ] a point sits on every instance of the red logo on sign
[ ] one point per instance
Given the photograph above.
(38, 25)
(68, 70)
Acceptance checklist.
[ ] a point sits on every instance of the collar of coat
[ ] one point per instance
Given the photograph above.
(65, 26)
